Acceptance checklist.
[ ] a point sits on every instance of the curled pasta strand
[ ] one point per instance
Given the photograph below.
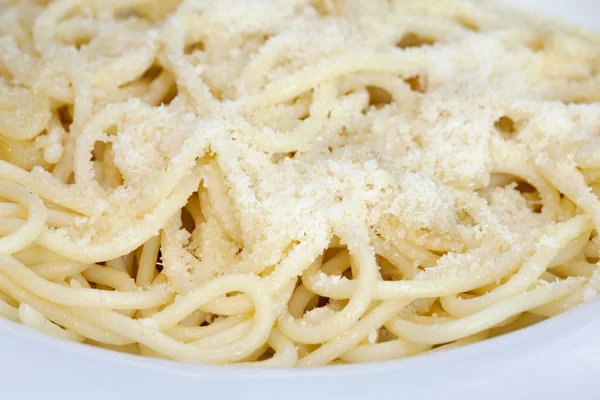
(30, 317)
(141, 233)
(340, 345)
(511, 160)
(286, 354)
(306, 134)
(363, 256)
(74, 297)
(547, 250)
(396, 290)
(163, 344)
(280, 91)
(57, 270)
(482, 320)
(571, 183)
(71, 319)
(9, 312)
(391, 350)
(28, 232)
(192, 333)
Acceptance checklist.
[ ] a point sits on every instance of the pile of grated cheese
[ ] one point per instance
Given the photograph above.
(458, 68)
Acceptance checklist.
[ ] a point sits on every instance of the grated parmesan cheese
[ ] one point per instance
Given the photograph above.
(316, 316)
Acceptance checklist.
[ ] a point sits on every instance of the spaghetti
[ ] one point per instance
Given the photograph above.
(300, 182)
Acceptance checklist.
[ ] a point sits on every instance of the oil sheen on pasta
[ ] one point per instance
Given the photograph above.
(294, 182)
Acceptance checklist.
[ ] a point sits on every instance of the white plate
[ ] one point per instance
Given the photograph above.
(581, 12)
(558, 358)
(555, 359)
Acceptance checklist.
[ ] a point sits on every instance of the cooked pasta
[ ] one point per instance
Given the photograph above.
(294, 182)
